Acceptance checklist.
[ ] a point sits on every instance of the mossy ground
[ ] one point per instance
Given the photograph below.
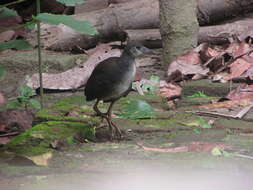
(55, 124)
(89, 163)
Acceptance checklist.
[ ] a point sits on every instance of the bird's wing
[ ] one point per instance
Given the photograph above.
(103, 76)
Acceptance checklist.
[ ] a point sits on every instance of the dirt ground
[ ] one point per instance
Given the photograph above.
(140, 160)
(128, 165)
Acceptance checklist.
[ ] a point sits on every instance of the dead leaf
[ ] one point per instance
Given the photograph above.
(192, 147)
(58, 144)
(205, 147)
(2, 99)
(77, 76)
(241, 49)
(4, 140)
(237, 68)
(185, 67)
(206, 53)
(7, 36)
(169, 90)
(176, 149)
(247, 34)
(227, 104)
(10, 22)
(243, 91)
(16, 120)
(41, 160)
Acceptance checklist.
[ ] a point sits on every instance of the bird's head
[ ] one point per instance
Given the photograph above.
(137, 49)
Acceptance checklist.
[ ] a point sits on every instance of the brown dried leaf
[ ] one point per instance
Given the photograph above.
(75, 77)
(186, 66)
(4, 140)
(237, 68)
(7, 36)
(227, 104)
(9, 22)
(206, 52)
(16, 120)
(192, 147)
(41, 160)
(243, 91)
(169, 90)
(246, 34)
(2, 99)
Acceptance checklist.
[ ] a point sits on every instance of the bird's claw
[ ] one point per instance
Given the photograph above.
(115, 132)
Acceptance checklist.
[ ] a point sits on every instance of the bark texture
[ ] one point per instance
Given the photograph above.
(216, 34)
(211, 12)
(110, 23)
(92, 5)
(178, 27)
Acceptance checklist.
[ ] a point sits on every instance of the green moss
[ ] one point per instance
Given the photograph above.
(37, 140)
(60, 111)
(69, 102)
(56, 115)
(207, 87)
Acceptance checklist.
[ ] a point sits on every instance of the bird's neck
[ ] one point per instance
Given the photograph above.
(127, 58)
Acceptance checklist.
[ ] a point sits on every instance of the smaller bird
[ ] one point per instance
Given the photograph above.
(112, 79)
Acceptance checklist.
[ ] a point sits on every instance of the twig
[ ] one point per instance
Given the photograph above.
(244, 111)
(212, 114)
(12, 3)
(138, 88)
(244, 156)
(210, 60)
(233, 59)
(239, 56)
(239, 115)
(9, 134)
(17, 27)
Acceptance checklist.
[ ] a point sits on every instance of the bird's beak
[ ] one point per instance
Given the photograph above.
(146, 50)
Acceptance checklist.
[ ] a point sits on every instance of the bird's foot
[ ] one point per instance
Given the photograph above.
(115, 132)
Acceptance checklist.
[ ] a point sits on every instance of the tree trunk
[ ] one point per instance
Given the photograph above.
(178, 27)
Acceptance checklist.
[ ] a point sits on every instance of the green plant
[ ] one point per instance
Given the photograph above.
(137, 109)
(24, 99)
(80, 26)
(151, 85)
(197, 95)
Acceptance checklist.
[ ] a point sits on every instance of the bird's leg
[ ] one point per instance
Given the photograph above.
(113, 128)
(99, 113)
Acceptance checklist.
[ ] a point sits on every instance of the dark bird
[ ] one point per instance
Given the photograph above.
(112, 79)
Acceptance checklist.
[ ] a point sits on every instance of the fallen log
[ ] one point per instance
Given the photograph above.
(211, 12)
(92, 5)
(110, 22)
(217, 34)
(150, 38)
